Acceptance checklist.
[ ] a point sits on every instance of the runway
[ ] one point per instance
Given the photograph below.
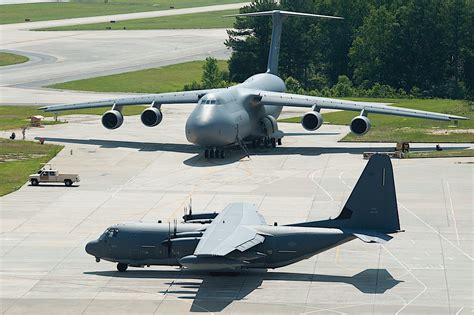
(149, 174)
(62, 56)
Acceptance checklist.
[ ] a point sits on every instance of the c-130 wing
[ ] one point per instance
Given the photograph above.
(231, 230)
(188, 97)
(296, 100)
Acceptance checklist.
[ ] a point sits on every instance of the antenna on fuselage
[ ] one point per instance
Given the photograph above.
(277, 19)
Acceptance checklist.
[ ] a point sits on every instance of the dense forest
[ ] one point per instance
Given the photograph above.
(388, 48)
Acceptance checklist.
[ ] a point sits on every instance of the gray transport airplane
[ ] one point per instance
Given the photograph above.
(239, 238)
(246, 113)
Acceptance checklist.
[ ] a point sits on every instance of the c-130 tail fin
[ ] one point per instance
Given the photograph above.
(277, 19)
(372, 205)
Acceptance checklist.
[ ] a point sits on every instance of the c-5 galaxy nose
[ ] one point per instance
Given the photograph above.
(94, 248)
(209, 126)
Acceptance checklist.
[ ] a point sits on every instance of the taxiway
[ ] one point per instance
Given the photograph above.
(138, 173)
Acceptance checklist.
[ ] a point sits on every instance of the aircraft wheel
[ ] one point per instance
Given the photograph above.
(279, 141)
(222, 154)
(206, 154)
(274, 142)
(211, 154)
(122, 267)
(34, 182)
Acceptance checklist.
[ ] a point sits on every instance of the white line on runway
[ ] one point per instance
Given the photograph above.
(414, 277)
(452, 212)
(434, 230)
(319, 185)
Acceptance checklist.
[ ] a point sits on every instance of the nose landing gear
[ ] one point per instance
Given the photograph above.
(122, 267)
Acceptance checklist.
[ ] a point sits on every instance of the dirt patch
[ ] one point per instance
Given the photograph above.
(10, 157)
(453, 131)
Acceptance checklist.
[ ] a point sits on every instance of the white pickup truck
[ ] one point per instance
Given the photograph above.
(53, 176)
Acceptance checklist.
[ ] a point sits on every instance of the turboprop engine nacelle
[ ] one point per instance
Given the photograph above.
(151, 116)
(360, 125)
(312, 121)
(112, 119)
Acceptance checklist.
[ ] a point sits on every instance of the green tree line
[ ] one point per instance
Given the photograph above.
(381, 48)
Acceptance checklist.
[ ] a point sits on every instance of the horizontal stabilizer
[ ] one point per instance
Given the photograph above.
(372, 236)
(265, 13)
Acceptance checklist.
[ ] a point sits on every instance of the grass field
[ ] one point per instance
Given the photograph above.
(7, 59)
(185, 21)
(17, 13)
(438, 154)
(15, 117)
(158, 80)
(19, 159)
(387, 128)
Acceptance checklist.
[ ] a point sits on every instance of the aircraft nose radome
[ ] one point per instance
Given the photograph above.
(93, 248)
(211, 130)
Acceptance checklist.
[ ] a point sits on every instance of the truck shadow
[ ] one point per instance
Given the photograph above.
(215, 293)
(55, 185)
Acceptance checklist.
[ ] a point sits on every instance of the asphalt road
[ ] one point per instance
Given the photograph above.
(66, 55)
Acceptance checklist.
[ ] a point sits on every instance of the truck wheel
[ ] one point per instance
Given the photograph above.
(122, 267)
(34, 182)
(68, 182)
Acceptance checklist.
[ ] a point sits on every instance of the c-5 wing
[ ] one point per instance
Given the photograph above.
(162, 98)
(295, 100)
(231, 230)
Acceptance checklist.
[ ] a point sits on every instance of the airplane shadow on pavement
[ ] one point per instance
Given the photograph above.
(214, 293)
(233, 155)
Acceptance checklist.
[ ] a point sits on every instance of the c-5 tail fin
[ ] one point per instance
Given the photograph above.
(277, 18)
(372, 205)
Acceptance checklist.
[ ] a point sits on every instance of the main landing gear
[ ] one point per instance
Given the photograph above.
(214, 154)
(266, 142)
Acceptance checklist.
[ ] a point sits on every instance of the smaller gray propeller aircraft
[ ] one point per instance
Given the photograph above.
(246, 113)
(238, 237)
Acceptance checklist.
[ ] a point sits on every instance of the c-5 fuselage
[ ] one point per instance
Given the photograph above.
(142, 244)
(226, 115)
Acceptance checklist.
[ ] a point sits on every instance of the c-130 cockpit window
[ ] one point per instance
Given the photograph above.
(110, 232)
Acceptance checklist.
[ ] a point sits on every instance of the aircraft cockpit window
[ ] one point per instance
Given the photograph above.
(111, 232)
(208, 100)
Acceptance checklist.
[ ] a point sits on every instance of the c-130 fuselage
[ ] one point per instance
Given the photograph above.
(142, 244)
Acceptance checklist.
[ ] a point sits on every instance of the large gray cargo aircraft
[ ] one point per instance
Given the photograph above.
(239, 238)
(246, 113)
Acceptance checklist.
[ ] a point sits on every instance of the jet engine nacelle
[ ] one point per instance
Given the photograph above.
(270, 125)
(112, 119)
(151, 116)
(312, 121)
(360, 125)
